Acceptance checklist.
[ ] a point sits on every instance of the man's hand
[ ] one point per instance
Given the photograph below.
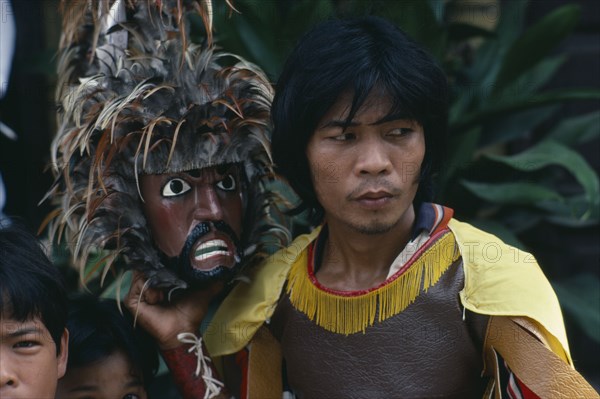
(163, 319)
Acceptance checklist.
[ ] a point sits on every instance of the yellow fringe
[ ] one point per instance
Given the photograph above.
(351, 314)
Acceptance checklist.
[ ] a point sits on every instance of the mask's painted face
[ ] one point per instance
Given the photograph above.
(195, 218)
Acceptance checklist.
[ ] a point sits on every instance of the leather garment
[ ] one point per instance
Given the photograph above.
(426, 351)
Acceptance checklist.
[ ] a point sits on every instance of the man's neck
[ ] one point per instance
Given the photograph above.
(353, 260)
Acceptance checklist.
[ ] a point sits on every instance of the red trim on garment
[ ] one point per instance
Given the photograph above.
(443, 224)
(416, 255)
(241, 359)
(183, 367)
(526, 393)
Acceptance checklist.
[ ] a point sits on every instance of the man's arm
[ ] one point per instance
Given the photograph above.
(173, 324)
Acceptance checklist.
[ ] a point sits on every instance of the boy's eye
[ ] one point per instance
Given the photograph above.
(175, 187)
(228, 183)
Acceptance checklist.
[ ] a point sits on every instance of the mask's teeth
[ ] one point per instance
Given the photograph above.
(211, 248)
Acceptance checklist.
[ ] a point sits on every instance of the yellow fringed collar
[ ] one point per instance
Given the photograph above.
(507, 282)
(346, 312)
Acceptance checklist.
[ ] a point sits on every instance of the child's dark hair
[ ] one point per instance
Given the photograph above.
(30, 285)
(97, 329)
(356, 56)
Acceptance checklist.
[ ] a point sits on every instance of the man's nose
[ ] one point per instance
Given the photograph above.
(207, 203)
(373, 157)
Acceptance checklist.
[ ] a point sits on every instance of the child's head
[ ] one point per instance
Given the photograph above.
(33, 313)
(108, 357)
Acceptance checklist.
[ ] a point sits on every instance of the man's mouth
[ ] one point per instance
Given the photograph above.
(211, 249)
(374, 195)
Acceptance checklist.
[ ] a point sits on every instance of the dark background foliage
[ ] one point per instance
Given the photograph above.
(524, 130)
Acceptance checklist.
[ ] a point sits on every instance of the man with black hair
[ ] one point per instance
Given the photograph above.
(108, 357)
(33, 314)
(389, 296)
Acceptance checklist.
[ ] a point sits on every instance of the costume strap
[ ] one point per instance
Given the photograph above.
(187, 364)
(540, 369)
(264, 367)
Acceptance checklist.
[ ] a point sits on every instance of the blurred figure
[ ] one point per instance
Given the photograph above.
(110, 359)
(7, 48)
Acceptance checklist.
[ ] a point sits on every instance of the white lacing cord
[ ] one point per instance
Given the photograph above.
(213, 386)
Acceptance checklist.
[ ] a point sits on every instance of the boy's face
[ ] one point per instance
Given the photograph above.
(29, 364)
(112, 377)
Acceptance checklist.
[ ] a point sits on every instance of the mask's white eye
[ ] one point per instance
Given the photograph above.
(228, 183)
(175, 187)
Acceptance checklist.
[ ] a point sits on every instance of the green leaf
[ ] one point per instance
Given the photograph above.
(501, 109)
(485, 69)
(460, 32)
(460, 154)
(418, 20)
(519, 193)
(511, 19)
(548, 153)
(536, 43)
(513, 126)
(568, 213)
(438, 8)
(579, 296)
(577, 130)
(530, 81)
(258, 48)
(118, 286)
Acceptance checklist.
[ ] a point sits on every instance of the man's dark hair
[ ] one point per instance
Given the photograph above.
(355, 55)
(97, 329)
(30, 285)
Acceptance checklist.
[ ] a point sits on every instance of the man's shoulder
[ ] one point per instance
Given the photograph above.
(287, 256)
(502, 280)
(482, 249)
(253, 300)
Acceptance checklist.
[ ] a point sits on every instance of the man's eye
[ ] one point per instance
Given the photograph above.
(131, 396)
(399, 131)
(344, 137)
(175, 187)
(25, 344)
(228, 183)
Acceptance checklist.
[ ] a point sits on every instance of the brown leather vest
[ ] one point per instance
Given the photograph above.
(426, 351)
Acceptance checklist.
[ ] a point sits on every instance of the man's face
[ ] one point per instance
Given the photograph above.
(366, 176)
(29, 364)
(196, 220)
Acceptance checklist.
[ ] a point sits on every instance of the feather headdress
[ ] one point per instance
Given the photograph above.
(137, 96)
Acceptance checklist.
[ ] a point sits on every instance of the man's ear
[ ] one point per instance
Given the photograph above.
(63, 356)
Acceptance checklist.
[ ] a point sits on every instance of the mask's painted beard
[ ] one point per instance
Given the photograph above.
(203, 278)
